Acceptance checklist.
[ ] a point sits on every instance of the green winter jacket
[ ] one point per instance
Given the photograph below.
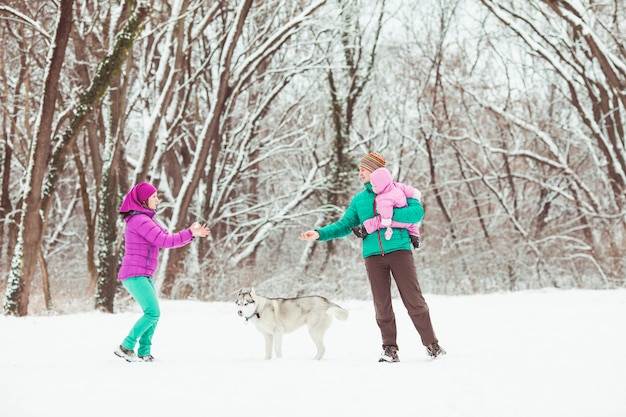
(360, 209)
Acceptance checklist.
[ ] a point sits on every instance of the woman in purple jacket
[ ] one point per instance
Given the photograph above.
(142, 240)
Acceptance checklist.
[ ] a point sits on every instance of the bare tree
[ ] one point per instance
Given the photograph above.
(30, 230)
(212, 166)
(112, 168)
(589, 64)
(20, 33)
(348, 72)
(50, 163)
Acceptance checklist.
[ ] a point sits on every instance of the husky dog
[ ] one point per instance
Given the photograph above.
(275, 316)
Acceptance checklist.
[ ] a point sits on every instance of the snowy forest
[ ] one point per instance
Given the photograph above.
(251, 116)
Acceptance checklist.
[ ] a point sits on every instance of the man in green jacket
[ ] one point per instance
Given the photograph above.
(384, 259)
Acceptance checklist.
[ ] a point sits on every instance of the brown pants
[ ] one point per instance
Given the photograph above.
(379, 271)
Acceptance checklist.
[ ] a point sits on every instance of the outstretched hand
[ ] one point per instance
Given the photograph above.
(199, 230)
(309, 235)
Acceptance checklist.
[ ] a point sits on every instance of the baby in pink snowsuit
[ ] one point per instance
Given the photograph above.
(390, 194)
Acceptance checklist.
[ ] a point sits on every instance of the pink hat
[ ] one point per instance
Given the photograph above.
(144, 191)
(136, 196)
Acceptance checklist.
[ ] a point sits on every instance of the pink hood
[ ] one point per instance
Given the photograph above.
(137, 195)
(381, 179)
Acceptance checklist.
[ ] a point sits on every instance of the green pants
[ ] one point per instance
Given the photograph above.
(142, 289)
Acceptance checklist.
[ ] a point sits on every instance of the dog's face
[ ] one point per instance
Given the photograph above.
(246, 303)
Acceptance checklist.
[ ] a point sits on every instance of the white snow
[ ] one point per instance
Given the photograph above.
(536, 353)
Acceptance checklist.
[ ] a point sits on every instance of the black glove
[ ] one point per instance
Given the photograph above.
(359, 231)
(415, 241)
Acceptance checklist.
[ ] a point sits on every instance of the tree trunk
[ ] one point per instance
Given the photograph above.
(108, 251)
(89, 219)
(38, 207)
(45, 278)
(30, 234)
(5, 202)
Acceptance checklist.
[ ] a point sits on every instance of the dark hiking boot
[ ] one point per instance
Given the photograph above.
(434, 350)
(390, 354)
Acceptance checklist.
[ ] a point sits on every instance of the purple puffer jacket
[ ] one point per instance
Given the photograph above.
(143, 238)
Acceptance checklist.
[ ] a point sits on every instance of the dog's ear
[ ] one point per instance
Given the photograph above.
(252, 293)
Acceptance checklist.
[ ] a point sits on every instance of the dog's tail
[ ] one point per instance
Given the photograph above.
(340, 313)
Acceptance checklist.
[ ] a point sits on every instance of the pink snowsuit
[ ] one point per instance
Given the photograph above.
(390, 194)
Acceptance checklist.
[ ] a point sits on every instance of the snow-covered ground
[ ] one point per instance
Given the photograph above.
(538, 353)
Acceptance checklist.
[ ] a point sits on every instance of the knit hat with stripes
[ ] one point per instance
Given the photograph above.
(372, 161)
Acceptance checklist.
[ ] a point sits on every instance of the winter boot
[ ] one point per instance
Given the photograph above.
(434, 350)
(127, 355)
(390, 354)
